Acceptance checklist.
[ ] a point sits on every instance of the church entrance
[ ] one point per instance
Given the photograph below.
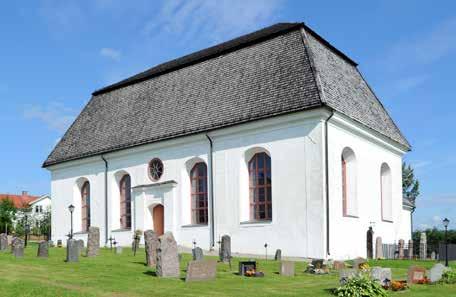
(159, 219)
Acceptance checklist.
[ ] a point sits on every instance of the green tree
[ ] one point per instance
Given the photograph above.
(410, 185)
(7, 215)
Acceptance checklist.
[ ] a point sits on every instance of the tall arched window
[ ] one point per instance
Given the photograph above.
(260, 187)
(198, 179)
(125, 202)
(386, 193)
(85, 206)
(349, 183)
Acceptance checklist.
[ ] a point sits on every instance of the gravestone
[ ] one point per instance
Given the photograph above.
(10, 239)
(245, 266)
(378, 248)
(80, 244)
(317, 263)
(423, 246)
(17, 247)
(197, 254)
(118, 250)
(72, 250)
(410, 247)
(370, 243)
(287, 268)
(401, 248)
(151, 246)
(346, 274)
(3, 242)
(338, 265)
(59, 243)
(416, 274)
(433, 255)
(93, 242)
(436, 272)
(278, 255)
(43, 249)
(358, 262)
(202, 270)
(225, 249)
(382, 275)
(51, 243)
(167, 258)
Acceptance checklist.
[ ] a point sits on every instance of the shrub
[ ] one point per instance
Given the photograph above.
(449, 277)
(361, 286)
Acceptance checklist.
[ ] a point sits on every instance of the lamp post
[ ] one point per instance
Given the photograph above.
(71, 209)
(445, 223)
(27, 229)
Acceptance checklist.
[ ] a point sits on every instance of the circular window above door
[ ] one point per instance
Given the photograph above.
(155, 169)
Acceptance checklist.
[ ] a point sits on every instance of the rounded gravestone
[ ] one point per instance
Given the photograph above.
(43, 249)
(167, 256)
(197, 254)
(17, 247)
(151, 245)
(72, 251)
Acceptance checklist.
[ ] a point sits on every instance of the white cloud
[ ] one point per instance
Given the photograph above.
(110, 53)
(54, 115)
(420, 164)
(216, 20)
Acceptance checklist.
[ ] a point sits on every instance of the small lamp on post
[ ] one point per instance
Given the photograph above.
(71, 209)
(446, 222)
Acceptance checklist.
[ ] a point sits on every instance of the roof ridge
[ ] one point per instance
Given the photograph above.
(205, 54)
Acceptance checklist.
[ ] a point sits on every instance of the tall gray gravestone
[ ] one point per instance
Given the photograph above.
(80, 244)
(72, 250)
(401, 248)
(17, 248)
(197, 254)
(410, 249)
(167, 257)
(93, 242)
(43, 249)
(423, 246)
(225, 249)
(378, 248)
(151, 245)
(3, 242)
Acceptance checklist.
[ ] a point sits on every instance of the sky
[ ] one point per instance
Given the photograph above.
(54, 54)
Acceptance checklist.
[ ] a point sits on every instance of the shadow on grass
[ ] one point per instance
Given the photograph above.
(140, 263)
(151, 273)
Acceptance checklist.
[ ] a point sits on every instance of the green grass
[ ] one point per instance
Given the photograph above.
(126, 275)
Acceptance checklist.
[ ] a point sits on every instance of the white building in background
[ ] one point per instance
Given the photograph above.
(273, 137)
(40, 206)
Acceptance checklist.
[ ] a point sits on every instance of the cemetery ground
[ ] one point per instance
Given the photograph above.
(126, 275)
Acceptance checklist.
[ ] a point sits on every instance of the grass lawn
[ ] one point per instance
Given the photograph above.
(126, 275)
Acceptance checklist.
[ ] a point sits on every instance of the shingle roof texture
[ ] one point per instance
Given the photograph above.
(259, 75)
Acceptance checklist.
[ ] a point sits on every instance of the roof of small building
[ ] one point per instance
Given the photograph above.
(280, 69)
(19, 201)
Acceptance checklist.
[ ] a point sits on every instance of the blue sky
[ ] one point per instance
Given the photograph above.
(53, 54)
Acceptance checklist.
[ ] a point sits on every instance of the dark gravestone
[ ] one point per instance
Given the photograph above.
(201, 270)
(401, 248)
(370, 243)
(93, 242)
(225, 249)
(317, 263)
(197, 254)
(287, 268)
(167, 257)
(151, 246)
(3, 242)
(59, 243)
(278, 255)
(80, 244)
(245, 266)
(43, 249)
(416, 275)
(17, 247)
(346, 274)
(72, 250)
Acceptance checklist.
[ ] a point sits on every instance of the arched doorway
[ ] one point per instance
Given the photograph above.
(158, 217)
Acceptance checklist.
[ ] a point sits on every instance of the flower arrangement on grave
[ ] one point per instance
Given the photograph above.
(364, 266)
(360, 286)
(399, 285)
(424, 281)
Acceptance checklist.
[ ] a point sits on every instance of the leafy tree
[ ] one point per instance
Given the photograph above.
(410, 185)
(7, 214)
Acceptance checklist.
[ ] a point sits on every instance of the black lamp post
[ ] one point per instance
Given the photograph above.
(445, 223)
(27, 230)
(71, 209)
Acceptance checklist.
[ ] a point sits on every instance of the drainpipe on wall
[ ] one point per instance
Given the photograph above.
(106, 197)
(211, 189)
(327, 182)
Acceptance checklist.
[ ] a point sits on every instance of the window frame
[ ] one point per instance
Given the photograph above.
(85, 206)
(125, 202)
(255, 187)
(194, 183)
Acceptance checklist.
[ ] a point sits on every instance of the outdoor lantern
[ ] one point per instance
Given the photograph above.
(71, 208)
(446, 222)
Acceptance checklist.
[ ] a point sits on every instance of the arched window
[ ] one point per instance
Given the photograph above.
(85, 206)
(386, 193)
(260, 187)
(198, 179)
(349, 183)
(125, 202)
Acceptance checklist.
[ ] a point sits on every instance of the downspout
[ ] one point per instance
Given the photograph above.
(106, 197)
(327, 182)
(211, 190)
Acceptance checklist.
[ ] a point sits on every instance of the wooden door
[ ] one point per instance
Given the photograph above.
(159, 222)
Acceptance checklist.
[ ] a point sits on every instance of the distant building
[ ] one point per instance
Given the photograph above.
(40, 206)
(20, 201)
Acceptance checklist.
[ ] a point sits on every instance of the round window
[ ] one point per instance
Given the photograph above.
(155, 169)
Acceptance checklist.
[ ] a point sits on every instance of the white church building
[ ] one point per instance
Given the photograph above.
(273, 137)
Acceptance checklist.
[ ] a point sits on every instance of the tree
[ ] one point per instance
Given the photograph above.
(410, 185)
(7, 214)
